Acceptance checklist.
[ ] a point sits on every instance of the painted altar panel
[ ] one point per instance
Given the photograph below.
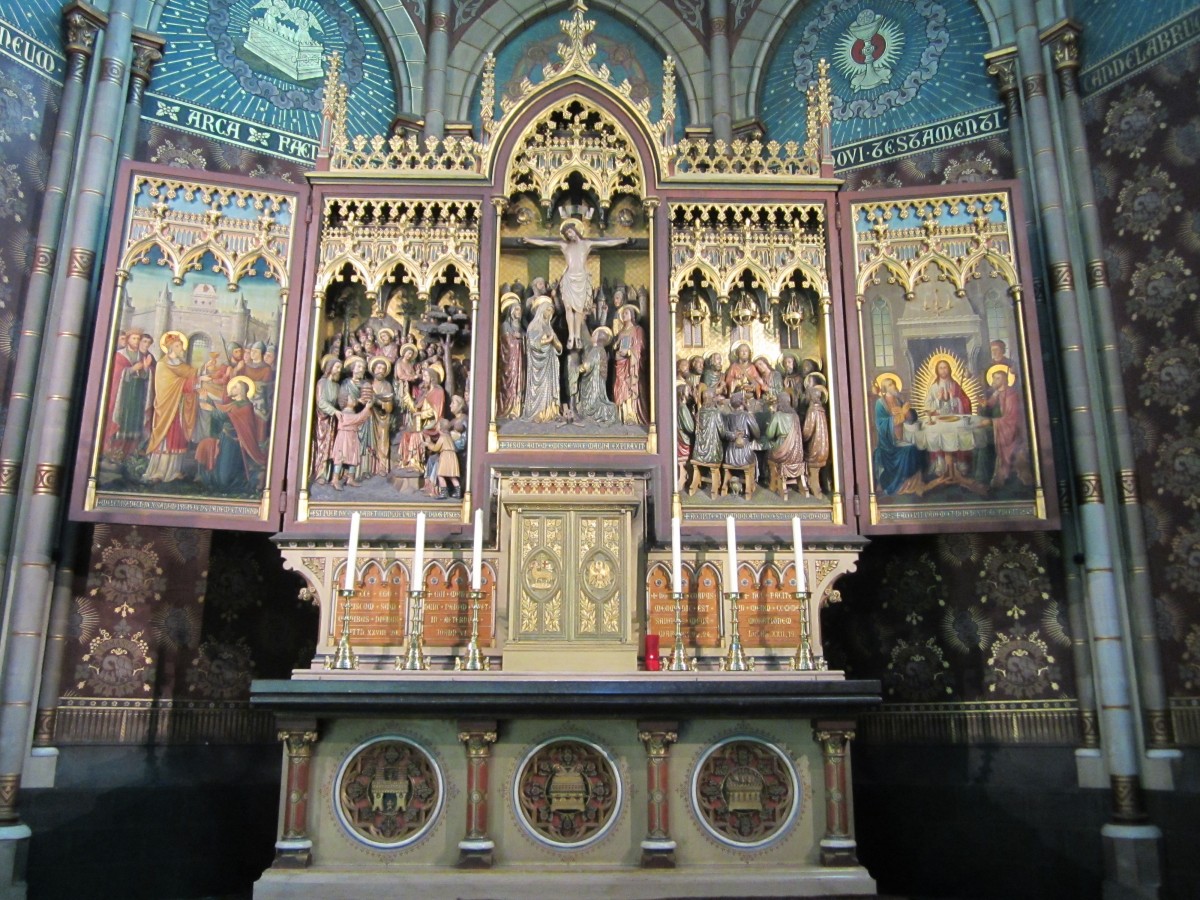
(187, 412)
(950, 392)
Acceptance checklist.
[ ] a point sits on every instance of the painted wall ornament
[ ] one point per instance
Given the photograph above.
(745, 793)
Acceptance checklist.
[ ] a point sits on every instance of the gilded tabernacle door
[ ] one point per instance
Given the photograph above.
(573, 573)
(951, 393)
(187, 403)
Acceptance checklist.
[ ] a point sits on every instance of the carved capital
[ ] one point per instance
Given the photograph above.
(82, 24)
(479, 743)
(1003, 67)
(657, 743)
(147, 50)
(299, 743)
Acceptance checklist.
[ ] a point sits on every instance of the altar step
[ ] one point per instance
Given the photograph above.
(578, 883)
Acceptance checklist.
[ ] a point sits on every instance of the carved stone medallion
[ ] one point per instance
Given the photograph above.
(567, 793)
(389, 792)
(745, 792)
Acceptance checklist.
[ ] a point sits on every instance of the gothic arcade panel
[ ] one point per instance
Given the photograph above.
(572, 363)
(187, 390)
(952, 402)
(385, 415)
(754, 376)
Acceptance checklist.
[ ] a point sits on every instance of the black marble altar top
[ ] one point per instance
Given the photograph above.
(505, 694)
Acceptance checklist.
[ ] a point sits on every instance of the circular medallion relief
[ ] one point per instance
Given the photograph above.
(389, 792)
(745, 792)
(567, 793)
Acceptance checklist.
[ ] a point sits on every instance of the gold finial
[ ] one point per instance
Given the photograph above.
(487, 96)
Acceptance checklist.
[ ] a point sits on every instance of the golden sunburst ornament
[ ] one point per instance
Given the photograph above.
(927, 375)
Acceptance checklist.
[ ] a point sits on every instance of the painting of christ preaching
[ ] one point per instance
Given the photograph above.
(186, 386)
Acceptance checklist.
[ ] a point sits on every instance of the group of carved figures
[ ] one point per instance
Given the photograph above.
(751, 422)
(591, 372)
(382, 409)
(168, 420)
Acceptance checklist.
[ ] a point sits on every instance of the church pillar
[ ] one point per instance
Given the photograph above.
(838, 847)
(147, 50)
(82, 24)
(293, 850)
(1002, 65)
(28, 594)
(718, 54)
(1130, 844)
(1156, 718)
(658, 848)
(435, 69)
(475, 849)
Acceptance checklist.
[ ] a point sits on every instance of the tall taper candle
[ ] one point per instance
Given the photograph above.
(676, 558)
(731, 539)
(352, 552)
(477, 553)
(798, 546)
(418, 572)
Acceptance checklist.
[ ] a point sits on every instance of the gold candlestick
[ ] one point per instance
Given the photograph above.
(474, 661)
(344, 657)
(735, 660)
(679, 660)
(803, 661)
(414, 658)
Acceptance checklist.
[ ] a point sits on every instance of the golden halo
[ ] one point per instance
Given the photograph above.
(412, 347)
(325, 360)
(891, 375)
(508, 300)
(951, 360)
(542, 301)
(441, 371)
(164, 340)
(605, 329)
(578, 223)
(351, 360)
(1012, 376)
(251, 387)
(734, 348)
(388, 331)
(377, 359)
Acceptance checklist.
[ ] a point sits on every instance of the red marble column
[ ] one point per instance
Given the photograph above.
(838, 847)
(293, 850)
(658, 848)
(475, 850)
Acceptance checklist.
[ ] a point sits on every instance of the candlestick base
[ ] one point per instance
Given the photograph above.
(344, 657)
(679, 658)
(735, 660)
(414, 659)
(473, 661)
(804, 661)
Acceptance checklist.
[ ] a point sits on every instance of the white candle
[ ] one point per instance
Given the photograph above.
(676, 558)
(352, 552)
(731, 539)
(798, 545)
(418, 573)
(477, 553)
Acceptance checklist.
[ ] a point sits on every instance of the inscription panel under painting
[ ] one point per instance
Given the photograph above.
(769, 616)
(448, 606)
